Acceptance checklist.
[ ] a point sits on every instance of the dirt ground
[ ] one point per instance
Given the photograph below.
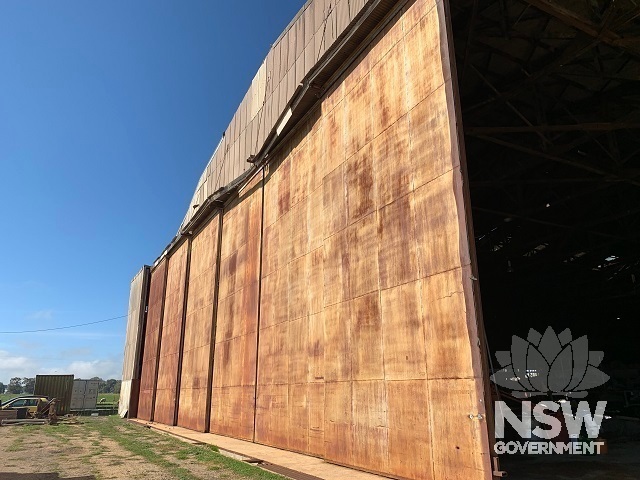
(109, 448)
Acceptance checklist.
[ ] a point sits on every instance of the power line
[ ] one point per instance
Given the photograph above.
(68, 326)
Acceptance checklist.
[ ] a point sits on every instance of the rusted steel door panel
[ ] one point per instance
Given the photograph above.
(193, 406)
(166, 390)
(234, 366)
(152, 341)
(137, 298)
(138, 295)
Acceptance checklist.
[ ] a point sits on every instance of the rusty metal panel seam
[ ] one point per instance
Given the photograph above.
(255, 394)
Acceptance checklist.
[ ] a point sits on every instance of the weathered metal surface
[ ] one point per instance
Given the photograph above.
(150, 351)
(288, 472)
(24, 422)
(137, 304)
(366, 331)
(77, 394)
(133, 341)
(171, 339)
(310, 34)
(293, 203)
(357, 365)
(56, 386)
(195, 378)
(90, 401)
(234, 372)
(90, 397)
(131, 410)
(79, 387)
(8, 414)
(77, 402)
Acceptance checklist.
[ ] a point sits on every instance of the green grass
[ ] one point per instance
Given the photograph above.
(8, 396)
(109, 397)
(162, 450)
(17, 443)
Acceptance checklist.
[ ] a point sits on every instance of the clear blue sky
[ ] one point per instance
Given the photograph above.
(109, 111)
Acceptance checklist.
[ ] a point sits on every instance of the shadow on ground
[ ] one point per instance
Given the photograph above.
(41, 476)
(621, 463)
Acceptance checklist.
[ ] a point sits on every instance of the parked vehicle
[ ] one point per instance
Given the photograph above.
(30, 402)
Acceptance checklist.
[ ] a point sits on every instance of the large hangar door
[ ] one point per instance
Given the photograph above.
(347, 322)
(370, 349)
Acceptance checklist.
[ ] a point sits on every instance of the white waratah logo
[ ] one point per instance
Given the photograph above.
(549, 363)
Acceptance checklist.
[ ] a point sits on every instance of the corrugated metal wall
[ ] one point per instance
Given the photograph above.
(133, 342)
(360, 304)
(292, 56)
(59, 387)
(153, 329)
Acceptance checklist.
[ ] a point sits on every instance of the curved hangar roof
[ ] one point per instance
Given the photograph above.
(323, 36)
